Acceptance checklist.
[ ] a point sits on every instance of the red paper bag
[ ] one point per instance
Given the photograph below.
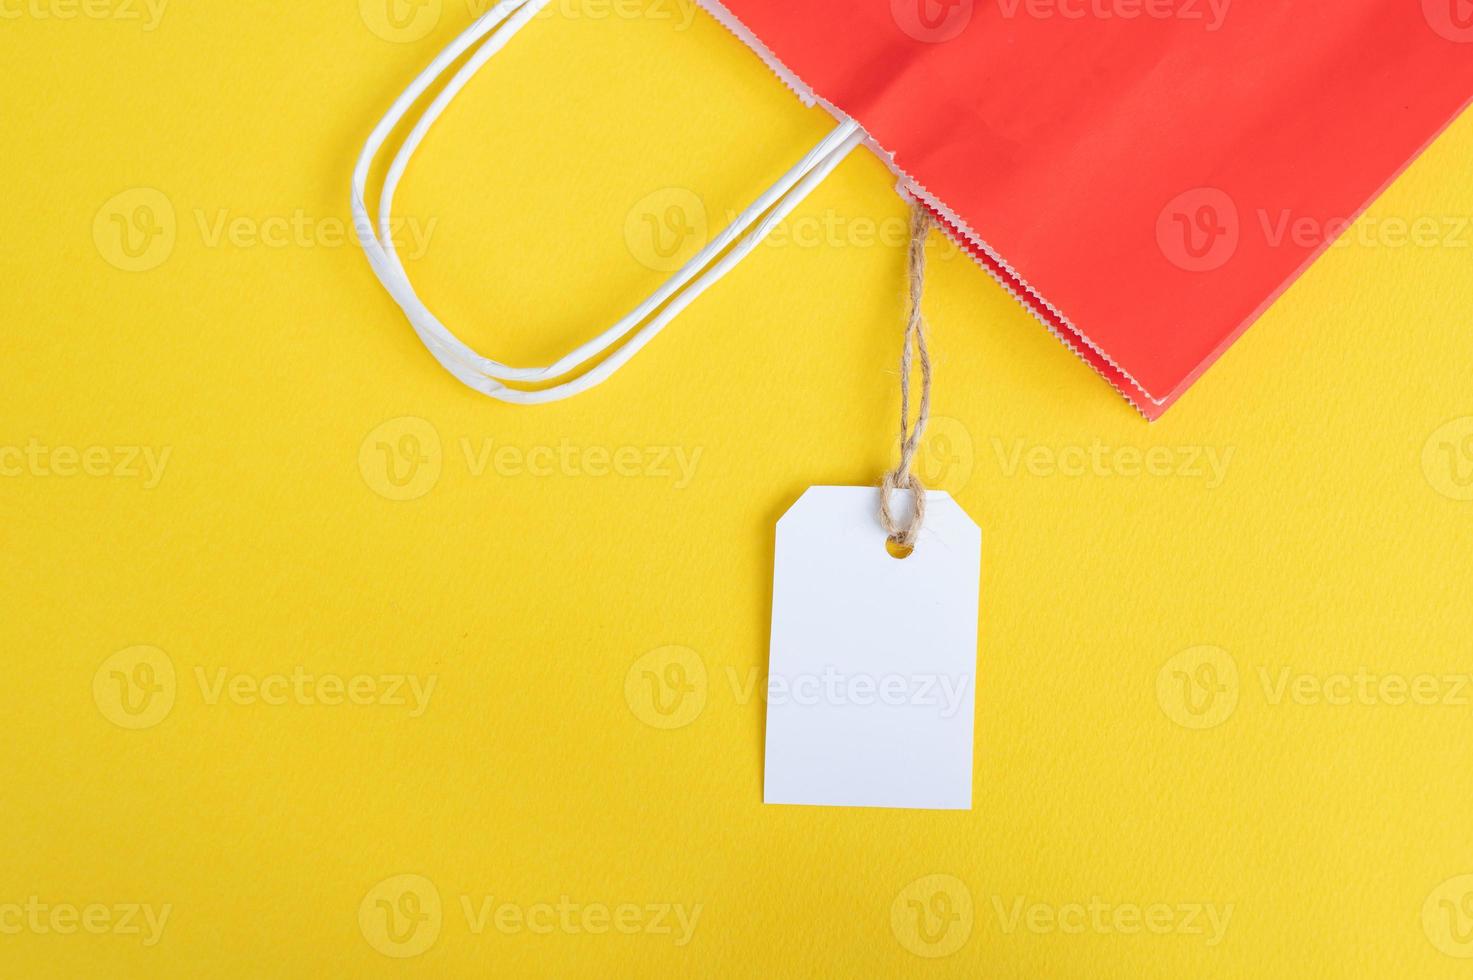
(1146, 175)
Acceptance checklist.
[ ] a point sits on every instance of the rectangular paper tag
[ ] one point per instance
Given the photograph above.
(874, 658)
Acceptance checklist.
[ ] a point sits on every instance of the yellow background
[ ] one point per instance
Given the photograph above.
(535, 773)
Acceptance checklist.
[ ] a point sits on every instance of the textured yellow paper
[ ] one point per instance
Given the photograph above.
(581, 593)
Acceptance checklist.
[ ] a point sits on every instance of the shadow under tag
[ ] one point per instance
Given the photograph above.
(873, 661)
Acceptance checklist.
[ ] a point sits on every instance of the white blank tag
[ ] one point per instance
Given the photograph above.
(874, 658)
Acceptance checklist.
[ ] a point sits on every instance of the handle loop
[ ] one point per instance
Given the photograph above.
(492, 31)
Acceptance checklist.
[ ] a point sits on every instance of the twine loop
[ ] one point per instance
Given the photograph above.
(901, 478)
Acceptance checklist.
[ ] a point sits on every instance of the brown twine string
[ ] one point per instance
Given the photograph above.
(910, 438)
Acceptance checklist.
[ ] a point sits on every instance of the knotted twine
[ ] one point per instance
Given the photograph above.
(910, 438)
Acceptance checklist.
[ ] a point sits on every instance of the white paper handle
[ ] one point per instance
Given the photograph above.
(695, 277)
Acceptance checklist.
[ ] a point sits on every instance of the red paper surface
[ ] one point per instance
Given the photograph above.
(1148, 175)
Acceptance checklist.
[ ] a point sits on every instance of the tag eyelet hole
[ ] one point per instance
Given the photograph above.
(897, 550)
